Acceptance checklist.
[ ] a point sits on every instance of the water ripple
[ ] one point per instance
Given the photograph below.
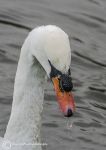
(5, 59)
(90, 59)
(99, 19)
(15, 24)
(97, 89)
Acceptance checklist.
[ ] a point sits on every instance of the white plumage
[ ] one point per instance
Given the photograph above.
(42, 44)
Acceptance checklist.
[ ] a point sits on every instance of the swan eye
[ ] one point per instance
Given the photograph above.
(65, 83)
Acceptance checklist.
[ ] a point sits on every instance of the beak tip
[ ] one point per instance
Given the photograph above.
(68, 113)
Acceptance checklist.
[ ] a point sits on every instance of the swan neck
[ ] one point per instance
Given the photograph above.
(25, 119)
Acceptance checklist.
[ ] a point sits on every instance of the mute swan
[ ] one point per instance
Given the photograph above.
(46, 50)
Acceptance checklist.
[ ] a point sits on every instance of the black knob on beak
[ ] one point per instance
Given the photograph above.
(66, 83)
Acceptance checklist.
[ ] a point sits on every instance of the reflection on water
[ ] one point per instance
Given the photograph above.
(85, 22)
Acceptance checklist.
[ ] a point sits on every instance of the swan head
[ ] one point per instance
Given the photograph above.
(58, 52)
(56, 59)
(63, 86)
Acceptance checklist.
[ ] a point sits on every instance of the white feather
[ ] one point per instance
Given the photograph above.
(42, 44)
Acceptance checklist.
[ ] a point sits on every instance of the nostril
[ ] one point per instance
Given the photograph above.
(69, 112)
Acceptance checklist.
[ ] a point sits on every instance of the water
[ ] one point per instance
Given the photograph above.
(85, 23)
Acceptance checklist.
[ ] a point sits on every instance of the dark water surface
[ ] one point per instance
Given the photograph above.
(85, 22)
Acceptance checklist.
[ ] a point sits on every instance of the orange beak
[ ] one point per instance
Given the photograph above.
(65, 99)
